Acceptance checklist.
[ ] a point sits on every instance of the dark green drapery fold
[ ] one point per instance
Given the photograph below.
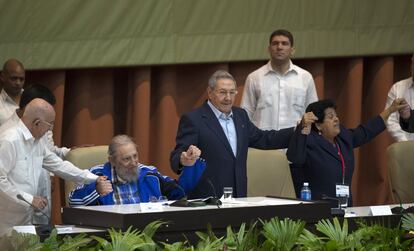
(48, 34)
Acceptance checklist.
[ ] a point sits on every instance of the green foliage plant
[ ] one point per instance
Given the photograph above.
(243, 240)
(275, 234)
(209, 241)
(281, 235)
(130, 239)
(408, 221)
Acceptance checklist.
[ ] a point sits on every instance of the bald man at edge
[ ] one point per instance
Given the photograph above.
(22, 155)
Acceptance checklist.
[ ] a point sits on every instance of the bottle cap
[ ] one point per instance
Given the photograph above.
(305, 183)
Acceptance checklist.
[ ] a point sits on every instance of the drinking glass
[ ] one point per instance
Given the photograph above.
(163, 199)
(227, 193)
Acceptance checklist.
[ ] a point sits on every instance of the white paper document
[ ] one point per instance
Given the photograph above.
(151, 207)
(380, 210)
(30, 229)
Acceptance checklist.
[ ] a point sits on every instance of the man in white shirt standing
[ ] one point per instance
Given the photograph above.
(276, 95)
(22, 156)
(45, 185)
(402, 89)
(12, 77)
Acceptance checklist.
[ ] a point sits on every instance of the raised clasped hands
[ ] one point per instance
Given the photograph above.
(403, 108)
(103, 186)
(306, 122)
(189, 157)
(400, 105)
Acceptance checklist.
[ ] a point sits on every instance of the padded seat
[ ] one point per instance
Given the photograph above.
(85, 158)
(268, 173)
(400, 157)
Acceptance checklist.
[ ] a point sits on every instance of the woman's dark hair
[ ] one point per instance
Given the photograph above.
(318, 108)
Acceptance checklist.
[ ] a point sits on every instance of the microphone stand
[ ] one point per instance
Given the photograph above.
(184, 202)
(335, 211)
(213, 200)
(400, 209)
(43, 230)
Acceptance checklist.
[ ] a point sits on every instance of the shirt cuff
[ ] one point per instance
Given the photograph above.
(28, 197)
(91, 177)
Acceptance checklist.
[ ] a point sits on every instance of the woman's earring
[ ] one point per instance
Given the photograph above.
(319, 132)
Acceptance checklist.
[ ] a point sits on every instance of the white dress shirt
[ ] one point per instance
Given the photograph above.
(45, 182)
(59, 151)
(401, 89)
(21, 159)
(7, 106)
(227, 123)
(275, 101)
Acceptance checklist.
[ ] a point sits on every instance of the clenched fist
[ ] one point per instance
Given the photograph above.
(103, 186)
(189, 157)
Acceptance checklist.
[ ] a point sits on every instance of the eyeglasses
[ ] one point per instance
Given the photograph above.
(129, 159)
(224, 93)
(50, 125)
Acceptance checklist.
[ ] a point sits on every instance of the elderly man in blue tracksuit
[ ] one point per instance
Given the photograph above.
(127, 182)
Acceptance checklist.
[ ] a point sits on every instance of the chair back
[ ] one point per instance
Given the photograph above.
(400, 157)
(268, 173)
(85, 158)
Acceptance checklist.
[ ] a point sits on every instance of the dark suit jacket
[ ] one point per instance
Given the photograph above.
(202, 129)
(320, 159)
(408, 126)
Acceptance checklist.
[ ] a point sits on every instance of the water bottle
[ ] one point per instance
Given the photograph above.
(305, 192)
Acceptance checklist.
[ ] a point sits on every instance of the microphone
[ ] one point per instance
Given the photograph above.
(335, 211)
(183, 202)
(213, 200)
(400, 209)
(167, 187)
(43, 229)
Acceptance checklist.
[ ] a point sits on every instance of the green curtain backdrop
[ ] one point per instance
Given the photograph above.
(135, 66)
(50, 34)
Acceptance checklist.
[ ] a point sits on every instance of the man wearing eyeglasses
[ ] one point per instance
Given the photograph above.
(45, 183)
(223, 133)
(22, 156)
(131, 182)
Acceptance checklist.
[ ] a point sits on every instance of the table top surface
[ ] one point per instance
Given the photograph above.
(165, 207)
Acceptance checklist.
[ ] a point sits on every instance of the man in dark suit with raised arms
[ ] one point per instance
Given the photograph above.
(223, 133)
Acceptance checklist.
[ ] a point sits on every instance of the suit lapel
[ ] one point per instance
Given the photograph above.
(327, 147)
(212, 122)
(239, 125)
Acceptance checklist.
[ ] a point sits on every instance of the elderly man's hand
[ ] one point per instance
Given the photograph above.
(189, 157)
(306, 123)
(103, 186)
(39, 202)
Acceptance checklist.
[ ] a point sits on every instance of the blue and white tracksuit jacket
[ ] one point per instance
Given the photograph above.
(150, 183)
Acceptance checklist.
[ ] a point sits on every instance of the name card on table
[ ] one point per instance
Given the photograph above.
(380, 210)
(29, 229)
(151, 207)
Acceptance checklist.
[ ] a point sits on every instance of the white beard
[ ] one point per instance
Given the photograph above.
(128, 175)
